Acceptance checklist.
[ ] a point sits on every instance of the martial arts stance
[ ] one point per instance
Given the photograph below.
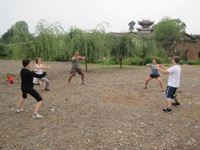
(173, 82)
(154, 74)
(27, 87)
(38, 70)
(76, 67)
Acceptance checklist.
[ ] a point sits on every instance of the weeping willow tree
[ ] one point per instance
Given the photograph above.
(145, 46)
(50, 41)
(122, 46)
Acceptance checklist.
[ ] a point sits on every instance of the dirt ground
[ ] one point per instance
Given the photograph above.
(111, 111)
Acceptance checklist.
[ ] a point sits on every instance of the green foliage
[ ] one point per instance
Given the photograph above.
(194, 62)
(168, 30)
(51, 42)
(133, 61)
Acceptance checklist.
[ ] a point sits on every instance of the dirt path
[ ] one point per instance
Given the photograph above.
(111, 111)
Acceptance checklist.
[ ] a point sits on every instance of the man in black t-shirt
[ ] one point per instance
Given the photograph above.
(27, 88)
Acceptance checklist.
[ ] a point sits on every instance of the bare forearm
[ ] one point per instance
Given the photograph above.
(163, 71)
(165, 67)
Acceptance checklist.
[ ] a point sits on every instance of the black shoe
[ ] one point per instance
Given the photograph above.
(176, 103)
(145, 87)
(47, 90)
(168, 110)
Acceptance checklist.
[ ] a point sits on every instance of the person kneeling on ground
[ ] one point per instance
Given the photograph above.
(76, 67)
(154, 74)
(173, 82)
(10, 78)
(27, 87)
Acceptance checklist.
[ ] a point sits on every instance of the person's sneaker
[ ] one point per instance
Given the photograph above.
(176, 103)
(168, 110)
(19, 110)
(47, 90)
(36, 116)
(145, 87)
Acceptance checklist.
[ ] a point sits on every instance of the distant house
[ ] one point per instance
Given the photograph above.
(189, 47)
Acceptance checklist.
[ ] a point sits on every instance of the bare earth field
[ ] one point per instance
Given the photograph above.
(111, 111)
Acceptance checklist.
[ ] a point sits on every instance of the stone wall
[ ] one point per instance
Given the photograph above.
(189, 49)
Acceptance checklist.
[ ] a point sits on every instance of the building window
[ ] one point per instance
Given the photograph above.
(199, 55)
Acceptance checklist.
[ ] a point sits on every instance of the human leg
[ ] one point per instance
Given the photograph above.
(70, 78)
(46, 82)
(37, 96)
(146, 82)
(82, 77)
(161, 84)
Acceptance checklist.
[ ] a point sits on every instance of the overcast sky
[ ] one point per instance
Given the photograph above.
(86, 14)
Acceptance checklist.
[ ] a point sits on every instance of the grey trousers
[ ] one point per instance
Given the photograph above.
(46, 82)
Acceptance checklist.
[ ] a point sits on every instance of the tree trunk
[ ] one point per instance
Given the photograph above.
(86, 65)
(121, 62)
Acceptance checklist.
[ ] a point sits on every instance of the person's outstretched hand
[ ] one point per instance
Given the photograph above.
(157, 67)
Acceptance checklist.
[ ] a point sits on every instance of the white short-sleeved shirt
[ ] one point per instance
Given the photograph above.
(38, 71)
(174, 76)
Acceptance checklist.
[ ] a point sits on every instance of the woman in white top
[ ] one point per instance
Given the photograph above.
(38, 70)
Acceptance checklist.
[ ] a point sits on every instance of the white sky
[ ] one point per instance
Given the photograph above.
(86, 14)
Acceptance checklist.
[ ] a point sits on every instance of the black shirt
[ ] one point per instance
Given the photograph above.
(27, 77)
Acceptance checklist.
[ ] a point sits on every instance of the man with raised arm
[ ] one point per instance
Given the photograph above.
(76, 67)
(173, 82)
(27, 88)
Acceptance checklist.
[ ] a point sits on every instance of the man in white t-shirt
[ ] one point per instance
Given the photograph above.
(173, 82)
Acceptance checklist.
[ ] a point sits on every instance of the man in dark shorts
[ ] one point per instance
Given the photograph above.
(27, 88)
(173, 82)
(76, 67)
(154, 74)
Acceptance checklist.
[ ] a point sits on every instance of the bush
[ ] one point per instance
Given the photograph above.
(133, 61)
(194, 62)
(149, 59)
(113, 61)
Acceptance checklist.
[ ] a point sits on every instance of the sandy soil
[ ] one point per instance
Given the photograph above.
(111, 111)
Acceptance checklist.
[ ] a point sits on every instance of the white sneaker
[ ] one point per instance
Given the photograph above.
(19, 110)
(36, 116)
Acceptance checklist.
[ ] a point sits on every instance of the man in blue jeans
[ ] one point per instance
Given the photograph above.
(173, 82)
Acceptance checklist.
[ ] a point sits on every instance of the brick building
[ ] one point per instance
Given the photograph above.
(189, 47)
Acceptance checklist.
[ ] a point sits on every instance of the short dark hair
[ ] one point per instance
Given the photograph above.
(25, 62)
(37, 59)
(176, 59)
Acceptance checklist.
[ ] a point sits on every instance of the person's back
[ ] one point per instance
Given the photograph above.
(174, 76)
(26, 78)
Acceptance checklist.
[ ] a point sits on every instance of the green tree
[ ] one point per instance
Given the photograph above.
(131, 26)
(168, 31)
(121, 47)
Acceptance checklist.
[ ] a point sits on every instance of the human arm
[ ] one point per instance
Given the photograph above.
(33, 74)
(148, 65)
(79, 57)
(83, 58)
(75, 58)
(42, 67)
(161, 65)
(161, 70)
